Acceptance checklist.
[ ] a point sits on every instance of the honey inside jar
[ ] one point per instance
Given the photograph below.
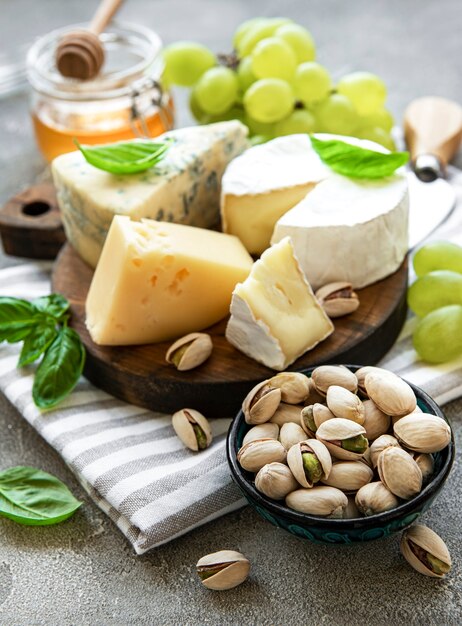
(123, 102)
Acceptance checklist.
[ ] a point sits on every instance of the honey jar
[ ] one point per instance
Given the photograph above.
(124, 101)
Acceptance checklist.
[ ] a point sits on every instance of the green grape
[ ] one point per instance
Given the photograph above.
(435, 290)
(199, 115)
(381, 118)
(299, 39)
(186, 61)
(438, 336)
(300, 121)
(269, 100)
(234, 113)
(257, 140)
(312, 83)
(266, 28)
(244, 28)
(216, 90)
(336, 115)
(260, 128)
(378, 135)
(273, 58)
(438, 255)
(366, 91)
(245, 74)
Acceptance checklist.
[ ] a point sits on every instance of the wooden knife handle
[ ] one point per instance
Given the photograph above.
(433, 126)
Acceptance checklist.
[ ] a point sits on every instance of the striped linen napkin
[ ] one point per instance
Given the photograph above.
(130, 461)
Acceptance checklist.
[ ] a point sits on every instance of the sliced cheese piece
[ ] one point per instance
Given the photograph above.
(264, 183)
(349, 230)
(275, 317)
(183, 188)
(157, 281)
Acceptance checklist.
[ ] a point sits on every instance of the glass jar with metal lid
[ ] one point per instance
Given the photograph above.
(124, 101)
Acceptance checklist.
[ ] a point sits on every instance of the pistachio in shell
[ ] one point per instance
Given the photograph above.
(375, 498)
(286, 413)
(338, 299)
(275, 480)
(255, 454)
(313, 416)
(344, 438)
(382, 442)
(344, 403)
(376, 422)
(223, 570)
(363, 372)
(192, 428)
(261, 403)
(326, 375)
(349, 475)
(262, 431)
(309, 462)
(422, 432)
(190, 351)
(295, 387)
(321, 501)
(393, 395)
(426, 465)
(425, 551)
(291, 434)
(399, 473)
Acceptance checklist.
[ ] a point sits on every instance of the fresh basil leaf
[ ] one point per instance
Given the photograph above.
(59, 369)
(37, 341)
(17, 319)
(55, 305)
(356, 162)
(32, 497)
(125, 157)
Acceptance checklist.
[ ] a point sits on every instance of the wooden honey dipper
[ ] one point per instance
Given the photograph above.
(79, 53)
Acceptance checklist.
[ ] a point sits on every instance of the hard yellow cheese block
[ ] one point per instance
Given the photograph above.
(275, 317)
(157, 281)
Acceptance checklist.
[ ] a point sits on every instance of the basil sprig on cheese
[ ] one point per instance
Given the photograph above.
(355, 162)
(125, 157)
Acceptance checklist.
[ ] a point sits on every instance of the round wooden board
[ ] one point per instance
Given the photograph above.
(140, 375)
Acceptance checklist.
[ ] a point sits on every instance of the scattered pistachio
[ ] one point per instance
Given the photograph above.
(425, 551)
(192, 428)
(190, 351)
(338, 299)
(223, 570)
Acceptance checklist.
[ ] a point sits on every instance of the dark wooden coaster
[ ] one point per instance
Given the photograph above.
(140, 375)
(30, 224)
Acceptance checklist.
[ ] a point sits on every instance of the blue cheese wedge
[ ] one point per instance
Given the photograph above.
(183, 188)
(275, 317)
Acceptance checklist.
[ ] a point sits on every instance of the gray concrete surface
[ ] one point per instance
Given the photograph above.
(83, 572)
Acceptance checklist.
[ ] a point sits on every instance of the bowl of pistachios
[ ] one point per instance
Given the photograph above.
(340, 454)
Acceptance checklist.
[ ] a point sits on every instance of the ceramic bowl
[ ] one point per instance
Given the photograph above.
(341, 531)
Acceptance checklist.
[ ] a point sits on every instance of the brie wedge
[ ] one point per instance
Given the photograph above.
(275, 317)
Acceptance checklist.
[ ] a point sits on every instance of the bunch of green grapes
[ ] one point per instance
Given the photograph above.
(436, 297)
(274, 85)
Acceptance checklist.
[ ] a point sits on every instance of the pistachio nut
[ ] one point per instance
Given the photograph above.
(390, 393)
(261, 403)
(190, 351)
(295, 387)
(261, 431)
(275, 480)
(291, 434)
(344, 438)
(376, 422)
(309, 462)
(338, 299)
(423, 432)
(425, 551)
(399, 473)
(426, 465)
(344, 403)
(286, 413)
(351, 511)
(313, 416)
(375, 498)
(320, 501)
(363, 372)
(326, 375)
(382, 442)
(192, 428)
(223, 570)
(349, 475)
(255, 454)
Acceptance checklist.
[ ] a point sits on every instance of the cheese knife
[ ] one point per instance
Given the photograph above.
(433, 133)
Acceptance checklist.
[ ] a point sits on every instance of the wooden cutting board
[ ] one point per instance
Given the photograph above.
(140, 375)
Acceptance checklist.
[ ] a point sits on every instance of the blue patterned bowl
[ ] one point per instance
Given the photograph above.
(341, 531)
